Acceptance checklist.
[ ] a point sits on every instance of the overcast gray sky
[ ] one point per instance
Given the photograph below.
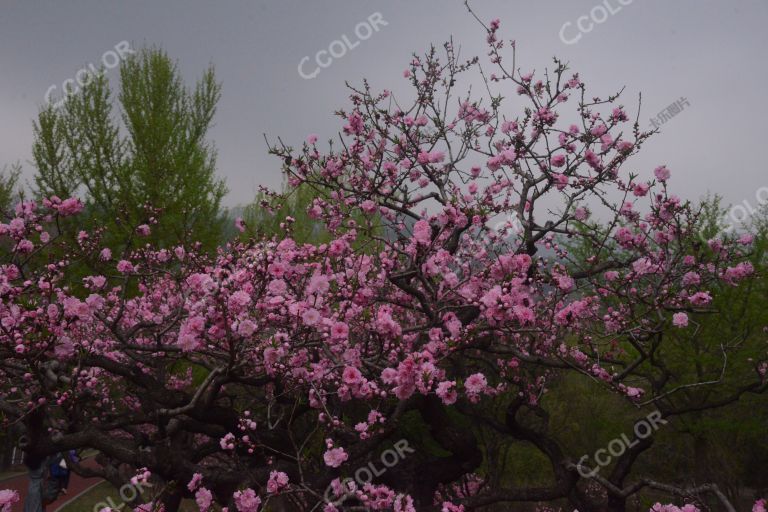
(712, 53)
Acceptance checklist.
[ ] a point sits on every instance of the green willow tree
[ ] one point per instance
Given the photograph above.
(149, 161)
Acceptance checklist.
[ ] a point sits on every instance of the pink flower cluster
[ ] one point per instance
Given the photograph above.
(7, 499)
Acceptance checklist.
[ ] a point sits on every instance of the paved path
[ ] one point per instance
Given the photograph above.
(77, 485)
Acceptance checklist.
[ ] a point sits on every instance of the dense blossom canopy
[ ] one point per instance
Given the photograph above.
(276, 368)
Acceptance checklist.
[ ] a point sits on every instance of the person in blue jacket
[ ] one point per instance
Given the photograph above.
(59, 469)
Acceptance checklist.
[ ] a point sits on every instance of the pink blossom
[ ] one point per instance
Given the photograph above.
(389, 376)
(339, 330)
(16, 226)
(475, 383)
(195, 482)
(277, 482)
(64, 348)
(598, 130)
(227, 442)
(508, 126)
(277, 287)
(592, 159)
(311, 316)
(335, 457)
(247, 501)
(545, 115)
(246, 328)
(558, 161)
(735, 274)
(404, 504)
(691, 278)
(351, 376)
(561, 181)
(98, 281)
(581, 213)
(658, 507)
(338, 247)
(746, 239)
(203, 498)
(124, 267)
(188, 342)
(662, 173)
(700, 298)
(422, 232)
(239, 300)
(564, 282)
(640, 189)
(318, 284)
(355, 125)
(680, 320)
(430, 157)
(70, 206)
(8, 498)
(446, 390)
(25, 246)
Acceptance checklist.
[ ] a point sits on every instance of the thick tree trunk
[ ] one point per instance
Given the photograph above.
(617, 504)
(171, 500)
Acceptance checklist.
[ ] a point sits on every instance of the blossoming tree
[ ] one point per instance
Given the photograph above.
(274, 371)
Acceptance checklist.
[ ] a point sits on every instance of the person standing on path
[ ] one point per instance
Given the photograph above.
(37, 469)
(59, 469)
(73, 457)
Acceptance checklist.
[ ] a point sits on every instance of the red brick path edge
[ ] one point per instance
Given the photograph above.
(77, 486)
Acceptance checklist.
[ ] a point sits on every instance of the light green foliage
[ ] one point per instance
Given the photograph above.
(266, 216)
(153, 153)
(9, 193)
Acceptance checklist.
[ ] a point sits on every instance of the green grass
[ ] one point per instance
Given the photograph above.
(106, 495)
(100, 493)
(7, 475)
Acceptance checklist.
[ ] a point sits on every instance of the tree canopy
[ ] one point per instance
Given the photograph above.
(415, 355)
